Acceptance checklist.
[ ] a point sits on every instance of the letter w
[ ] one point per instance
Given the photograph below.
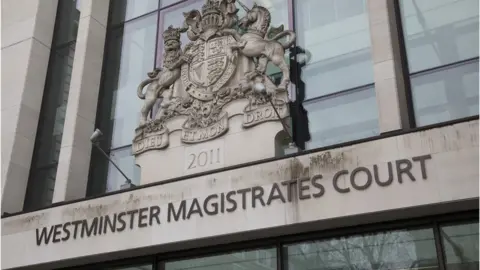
(44, 236)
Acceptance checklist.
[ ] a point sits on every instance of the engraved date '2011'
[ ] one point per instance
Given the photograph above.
(204, 158)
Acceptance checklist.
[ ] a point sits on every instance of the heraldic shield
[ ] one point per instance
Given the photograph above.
(210, 67)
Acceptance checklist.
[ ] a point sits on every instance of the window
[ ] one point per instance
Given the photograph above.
(116, 266)
(130, 55)
(125, 10)
(402, 249)
(136, 267)
(261, 259)
(337, 79)
(460, 243)
(441, 41)
(443, 243)
(48, 140)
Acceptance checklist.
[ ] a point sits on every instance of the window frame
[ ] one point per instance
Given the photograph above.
(435, 222)
(407, 75)
(319, 98)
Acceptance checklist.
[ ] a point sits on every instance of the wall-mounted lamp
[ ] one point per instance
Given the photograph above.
(95, 139)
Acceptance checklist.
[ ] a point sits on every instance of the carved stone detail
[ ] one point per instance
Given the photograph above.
(218, 66)
(152, 136)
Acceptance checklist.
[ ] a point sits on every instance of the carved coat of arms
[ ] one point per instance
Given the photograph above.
(217, 67)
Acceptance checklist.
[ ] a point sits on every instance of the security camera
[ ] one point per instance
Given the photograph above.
(97, 134)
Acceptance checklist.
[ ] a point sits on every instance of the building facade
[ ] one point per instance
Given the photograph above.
(382, 172)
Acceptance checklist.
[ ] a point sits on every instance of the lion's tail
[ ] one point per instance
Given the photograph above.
(142, 85)
(282, 34)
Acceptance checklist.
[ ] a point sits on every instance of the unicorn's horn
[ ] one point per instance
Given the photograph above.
(243, 6)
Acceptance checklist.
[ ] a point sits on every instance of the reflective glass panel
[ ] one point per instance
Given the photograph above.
(124, 159)
(342, 118)
(439, 32)
(50, 128)
(124, 10)
(130, 267)
(174, 16)
(336, 34)
(136, 59)
(260, 259)
(381, 251)
(446, 94)
(50, 131)
(460, 244)
(67, 26)
(165, 3)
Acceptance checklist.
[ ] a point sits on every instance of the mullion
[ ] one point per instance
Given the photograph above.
(338, 93)
(171, 5)
(444, 67)
(123, 147)
(136, 18)
(410, 108)
(439, 246)
(148, 13)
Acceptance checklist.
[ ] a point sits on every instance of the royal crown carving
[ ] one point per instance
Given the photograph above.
(220, 66)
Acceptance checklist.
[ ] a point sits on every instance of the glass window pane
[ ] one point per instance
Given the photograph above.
(261, 259)
(342, 118)
(381, 251)
(174, 16)
(461, 246)
(137, 267)
(40, 188)
(439, 32)
(446, 94)
(50, 131)
(67, 25)
(165, 3)
(124, 159)
(124, 10)
(337, 36)
(136, 59)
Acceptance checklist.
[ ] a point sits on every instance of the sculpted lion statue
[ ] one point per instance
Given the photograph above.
(161, 80)
(255, 44)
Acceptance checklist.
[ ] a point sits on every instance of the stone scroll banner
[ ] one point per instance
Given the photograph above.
(253, 116)
(425, 170)
(196, 135)
(155, 140)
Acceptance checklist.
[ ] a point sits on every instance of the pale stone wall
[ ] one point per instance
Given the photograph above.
(74, 161)
(27, 29)
(443, 161)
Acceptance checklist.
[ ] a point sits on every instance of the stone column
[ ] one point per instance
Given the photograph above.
(72, 173)
(388, 77)
(27, 29)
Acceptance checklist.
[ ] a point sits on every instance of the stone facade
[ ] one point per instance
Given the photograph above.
(427, 172)
(27, 29)
(18, 135)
